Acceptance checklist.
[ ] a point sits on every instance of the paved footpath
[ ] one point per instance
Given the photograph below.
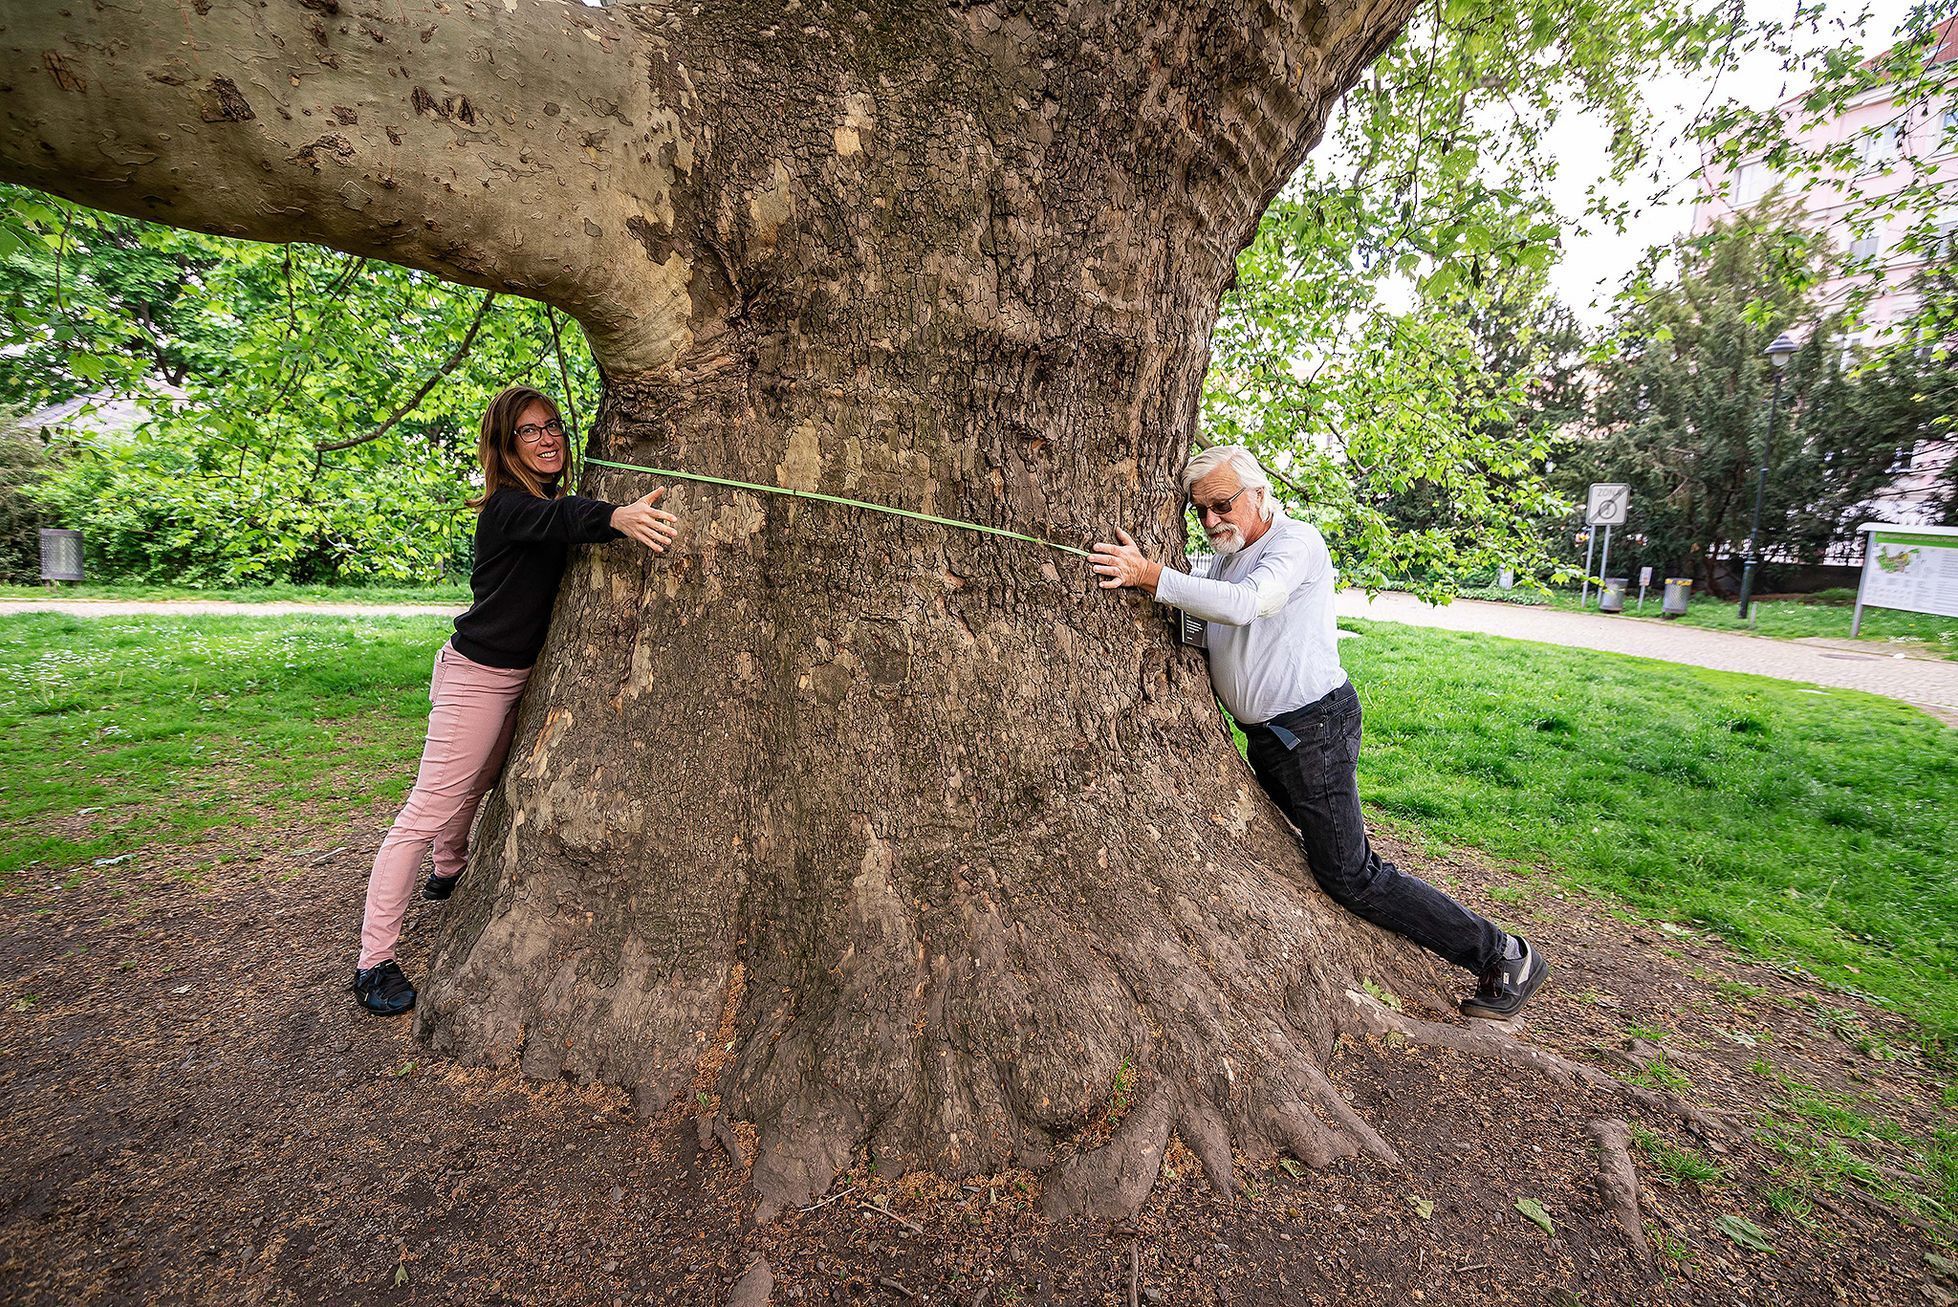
(179, 607)
(1928, 683)
(1931, 684)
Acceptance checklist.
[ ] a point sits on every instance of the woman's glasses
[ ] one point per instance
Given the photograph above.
(530, 433)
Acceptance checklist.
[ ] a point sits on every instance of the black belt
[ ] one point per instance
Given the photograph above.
(1278, 727)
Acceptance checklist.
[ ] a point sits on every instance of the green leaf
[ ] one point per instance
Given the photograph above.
(1293, 1167)
(1423, 1207)
(1743, 1232)
(1533, 1209)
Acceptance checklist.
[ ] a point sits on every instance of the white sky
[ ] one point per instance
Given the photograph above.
(1596, 262)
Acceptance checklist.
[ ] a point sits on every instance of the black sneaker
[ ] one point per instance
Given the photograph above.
(1507, 985)
(383, 990)
(436, 888)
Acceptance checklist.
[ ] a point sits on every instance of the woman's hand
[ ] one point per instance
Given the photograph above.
(651, 527)
(1123, 564)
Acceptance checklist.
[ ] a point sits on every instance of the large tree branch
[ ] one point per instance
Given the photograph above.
(527, 146)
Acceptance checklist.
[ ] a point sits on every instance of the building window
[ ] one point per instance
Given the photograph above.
(1879, 145)
(1866, 246)
(1750, 183)
(1945, 231)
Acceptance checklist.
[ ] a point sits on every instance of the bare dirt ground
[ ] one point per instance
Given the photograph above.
(192, 1109)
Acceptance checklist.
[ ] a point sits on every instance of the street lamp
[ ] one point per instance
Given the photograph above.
(1778, 354)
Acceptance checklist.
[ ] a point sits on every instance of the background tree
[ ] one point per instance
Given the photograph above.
(1913, 384)
(312, 414)
(20, 463)
(1682, 407)
(1391, 340)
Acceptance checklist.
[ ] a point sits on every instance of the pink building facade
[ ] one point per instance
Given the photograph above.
(1896, 147)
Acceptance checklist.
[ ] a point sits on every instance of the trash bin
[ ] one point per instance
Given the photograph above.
(1506, 579)
(61, 555)
(1612, 598)
(1679, 589)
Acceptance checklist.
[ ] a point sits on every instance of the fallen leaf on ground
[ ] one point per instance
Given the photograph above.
(1743, 1232)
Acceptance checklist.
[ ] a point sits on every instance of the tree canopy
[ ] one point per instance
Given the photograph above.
(1392, 346)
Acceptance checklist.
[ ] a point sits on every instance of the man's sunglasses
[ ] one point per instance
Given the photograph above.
(1221, 508)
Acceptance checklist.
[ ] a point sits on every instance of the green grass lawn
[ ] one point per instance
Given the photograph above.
(1813, 827)
(117, 733)
(1795, 620)
(255, 594)
(1786, 619)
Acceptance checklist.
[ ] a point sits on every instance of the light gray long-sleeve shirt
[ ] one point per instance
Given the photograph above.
(1270, 628)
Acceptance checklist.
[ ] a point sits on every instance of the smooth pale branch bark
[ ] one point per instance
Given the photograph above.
(515, 147)
(871, 837)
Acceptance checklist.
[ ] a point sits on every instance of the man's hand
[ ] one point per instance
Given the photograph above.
(1124, 564)
(651, 527)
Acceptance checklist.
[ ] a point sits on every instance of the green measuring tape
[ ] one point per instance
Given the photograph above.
(839, 500)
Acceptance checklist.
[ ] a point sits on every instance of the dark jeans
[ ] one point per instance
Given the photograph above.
(1307, 761)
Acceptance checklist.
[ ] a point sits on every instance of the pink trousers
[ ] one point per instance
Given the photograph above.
(474, 711)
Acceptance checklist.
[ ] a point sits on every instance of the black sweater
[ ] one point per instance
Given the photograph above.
(522, 543)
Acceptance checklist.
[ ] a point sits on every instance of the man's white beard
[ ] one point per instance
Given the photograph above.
(1228, 541)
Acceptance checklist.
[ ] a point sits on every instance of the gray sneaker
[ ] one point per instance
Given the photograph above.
(1507, 985)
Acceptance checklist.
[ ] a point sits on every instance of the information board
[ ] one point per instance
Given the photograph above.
(1913, 568)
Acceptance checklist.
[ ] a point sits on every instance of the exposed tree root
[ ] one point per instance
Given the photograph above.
(1320, 1127)
(755, 1287)
(1116, 1177)
(715, 1128)
(1488, 1039)
(1618, 1183)
(1285, 1103)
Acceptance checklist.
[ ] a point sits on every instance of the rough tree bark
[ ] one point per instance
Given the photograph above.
(861, 835)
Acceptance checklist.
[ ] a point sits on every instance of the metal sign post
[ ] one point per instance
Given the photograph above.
(1609, 504)
(1862, 580)
(1604, 564)
(1644, 579)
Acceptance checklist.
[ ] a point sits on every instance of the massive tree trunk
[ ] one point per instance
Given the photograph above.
(854, 832)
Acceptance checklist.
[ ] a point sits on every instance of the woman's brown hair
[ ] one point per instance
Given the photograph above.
(496, 446)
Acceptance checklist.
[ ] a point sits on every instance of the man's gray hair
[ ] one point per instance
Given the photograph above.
(1239, 460)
